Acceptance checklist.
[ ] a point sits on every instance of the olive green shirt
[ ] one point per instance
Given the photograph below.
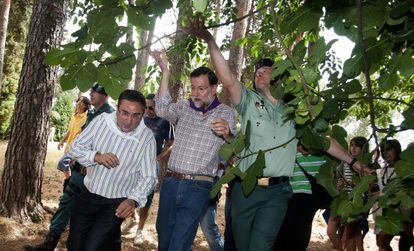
(269, 128)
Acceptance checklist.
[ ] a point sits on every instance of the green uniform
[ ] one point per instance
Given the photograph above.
(256, 219)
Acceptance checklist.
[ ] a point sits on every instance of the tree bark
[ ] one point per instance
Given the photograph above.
(142, 59)
(236, 52)
(21, 184)
(4, 20)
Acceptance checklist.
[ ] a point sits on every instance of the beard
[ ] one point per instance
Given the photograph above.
(203, 104)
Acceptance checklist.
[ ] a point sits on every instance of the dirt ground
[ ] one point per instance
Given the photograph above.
(15, 235)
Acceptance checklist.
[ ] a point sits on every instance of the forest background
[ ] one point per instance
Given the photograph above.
(373, 85)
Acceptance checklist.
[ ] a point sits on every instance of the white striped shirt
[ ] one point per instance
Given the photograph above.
(135, 176)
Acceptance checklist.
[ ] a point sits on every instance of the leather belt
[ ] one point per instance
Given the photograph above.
(269, 181)
(183, 176)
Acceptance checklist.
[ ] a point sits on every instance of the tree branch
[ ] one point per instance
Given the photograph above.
(366, 70)
(212, 26)
(292, 60)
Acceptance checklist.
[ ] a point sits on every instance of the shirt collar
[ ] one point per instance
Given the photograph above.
(213, 105)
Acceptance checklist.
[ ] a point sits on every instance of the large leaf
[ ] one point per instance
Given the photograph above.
(200, 5)
(390, 222)
(252, 173)
(362, 186)
(303, 19)
(353, 66)
(339, 133)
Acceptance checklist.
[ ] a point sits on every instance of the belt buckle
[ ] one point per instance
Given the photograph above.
(263, 182)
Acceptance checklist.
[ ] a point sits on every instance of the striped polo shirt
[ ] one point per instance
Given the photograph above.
(135, 176)
(299, 182)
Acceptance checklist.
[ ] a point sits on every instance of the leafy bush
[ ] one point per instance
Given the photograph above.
(62, 110)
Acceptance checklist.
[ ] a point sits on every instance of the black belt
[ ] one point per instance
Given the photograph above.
(270, 181)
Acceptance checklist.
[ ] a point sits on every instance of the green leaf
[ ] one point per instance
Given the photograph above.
(362, 186)
(406, 67)
(352, 87)
(311, 76)
(390, 222)
(339, 133)
(81, 33)
(252, 173)
(226, 151)
(317, 108)
(321, 125)
(277, 91)
(200, 5)
(249, 183)
(345, 208)
(247, 134)
(86, 77)
(353, 66)
(280, 66)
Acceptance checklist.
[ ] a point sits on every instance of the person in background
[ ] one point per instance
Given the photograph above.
(83, 105)
(390, 152)
(349, 236)
(296, 229)
(355, 231)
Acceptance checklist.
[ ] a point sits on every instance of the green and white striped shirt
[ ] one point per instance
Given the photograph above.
(299, 182)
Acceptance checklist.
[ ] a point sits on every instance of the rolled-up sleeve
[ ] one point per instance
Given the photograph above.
(166, 109)
(81, 148)
(147, 177)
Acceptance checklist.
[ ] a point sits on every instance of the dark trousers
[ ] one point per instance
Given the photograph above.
(62, 215)
(93, 224)
(296, 229)
(256, 219)
(229, 243)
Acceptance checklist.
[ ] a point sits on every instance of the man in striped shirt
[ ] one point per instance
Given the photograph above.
(295, 231)
(119, 153)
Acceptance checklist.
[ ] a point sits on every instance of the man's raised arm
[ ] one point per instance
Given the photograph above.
(220, 65)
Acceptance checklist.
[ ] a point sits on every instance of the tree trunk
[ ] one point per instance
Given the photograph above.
(4, 19)
(142, 59)
(236, 52)
(178, 58)
(21, 184)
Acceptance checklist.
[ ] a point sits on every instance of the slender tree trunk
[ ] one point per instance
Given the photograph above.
(236, 52)
(142, 59)
(4, 20)
(177, 88)
(20, 191)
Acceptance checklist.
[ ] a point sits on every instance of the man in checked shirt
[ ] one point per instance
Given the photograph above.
(202, 124)
(119, 153)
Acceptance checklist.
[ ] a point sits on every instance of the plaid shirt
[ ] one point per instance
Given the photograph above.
(196, 148)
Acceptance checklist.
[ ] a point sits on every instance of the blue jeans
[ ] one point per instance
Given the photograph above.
(181, 205)
(61, 217)
(93, 224)
(210, 229)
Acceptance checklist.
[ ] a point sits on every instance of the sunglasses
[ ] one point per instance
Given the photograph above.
(150, 108)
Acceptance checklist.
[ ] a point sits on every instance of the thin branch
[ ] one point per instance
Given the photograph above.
(270, 149)
(377, 98)
(292, 60)
(366, 70)
(212, 26)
